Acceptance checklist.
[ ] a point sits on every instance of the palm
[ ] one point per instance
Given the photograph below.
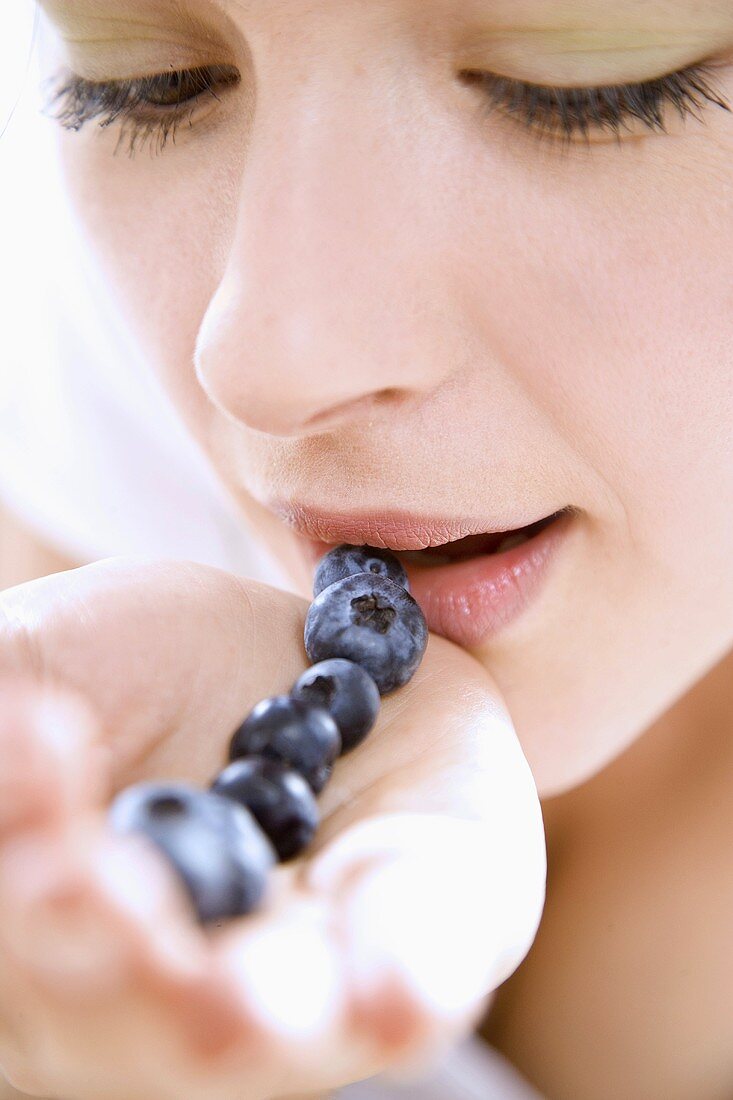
(171, 657)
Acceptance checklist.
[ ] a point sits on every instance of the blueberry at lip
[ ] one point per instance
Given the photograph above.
(347, 692)
(216, 847)
(300, 736)
(371, 621)
(279, 799)
(346, 561)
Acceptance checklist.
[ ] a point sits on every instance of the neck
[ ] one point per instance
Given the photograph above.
(685, 754)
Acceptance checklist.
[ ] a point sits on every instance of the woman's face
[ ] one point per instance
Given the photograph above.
(401, 294)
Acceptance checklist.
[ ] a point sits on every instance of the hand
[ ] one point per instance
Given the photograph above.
(421, 894)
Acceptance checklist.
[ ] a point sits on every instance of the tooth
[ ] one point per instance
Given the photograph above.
(508, 543)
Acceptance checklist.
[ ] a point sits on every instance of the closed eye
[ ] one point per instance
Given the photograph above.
(150, 107)
(572, 112)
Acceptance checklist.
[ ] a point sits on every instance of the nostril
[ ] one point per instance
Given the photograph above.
(353, 409)
(279, 393)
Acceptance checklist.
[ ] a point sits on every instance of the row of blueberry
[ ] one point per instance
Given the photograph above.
(366, 635)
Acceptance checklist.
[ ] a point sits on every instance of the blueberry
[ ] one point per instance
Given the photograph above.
(347, 692)
(371, 621)
(300, 736)
(345, 561)
(279, 799)
(218, 850)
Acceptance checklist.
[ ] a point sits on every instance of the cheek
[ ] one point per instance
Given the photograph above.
(659, 390)
(604, 287)
(160, 228)
(611, 298)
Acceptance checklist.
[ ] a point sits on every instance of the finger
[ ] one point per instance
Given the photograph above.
(128, 634)
(52, 759)
(424, 916)
(424, 895)
(50, 784)
(84, 912)
(438, 867)
(108, 960)
(290, 970)
(86, 916)
(384, 963)
(443, 777)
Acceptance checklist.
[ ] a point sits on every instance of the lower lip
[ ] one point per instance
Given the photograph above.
(471, 601)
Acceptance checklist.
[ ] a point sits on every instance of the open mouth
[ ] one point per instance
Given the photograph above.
(472, 546)
(470, 584)
(470, 589)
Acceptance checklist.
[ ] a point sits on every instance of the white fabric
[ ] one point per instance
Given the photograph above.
(91, 453)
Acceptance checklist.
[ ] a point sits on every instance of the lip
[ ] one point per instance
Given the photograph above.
(470, 601)
(467, 601)
(389, 530)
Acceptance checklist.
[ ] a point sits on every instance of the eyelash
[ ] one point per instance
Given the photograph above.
(567, 113)
(151, 109)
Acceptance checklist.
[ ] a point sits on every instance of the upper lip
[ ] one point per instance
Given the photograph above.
(387, 530)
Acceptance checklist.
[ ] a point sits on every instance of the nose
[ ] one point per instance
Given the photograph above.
(333, 300)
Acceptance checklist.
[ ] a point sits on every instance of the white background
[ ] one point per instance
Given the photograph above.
(92, 455)
(16, 25)
(23, 162)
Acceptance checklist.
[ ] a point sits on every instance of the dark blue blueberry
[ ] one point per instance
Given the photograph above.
(301, 737)
(218, 850)
(347, 692)
(371, 621)
(345, 561)
(279, 799)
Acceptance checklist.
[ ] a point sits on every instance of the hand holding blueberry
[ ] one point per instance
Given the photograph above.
(162, 662)
(371, 635)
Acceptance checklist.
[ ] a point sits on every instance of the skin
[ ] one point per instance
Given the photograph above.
(573, 305)
(347, 275)
(330, 982)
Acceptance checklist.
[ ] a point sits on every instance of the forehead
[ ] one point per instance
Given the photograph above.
(558, 27)
(532, 12)
(537, 13)
(566, 25)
